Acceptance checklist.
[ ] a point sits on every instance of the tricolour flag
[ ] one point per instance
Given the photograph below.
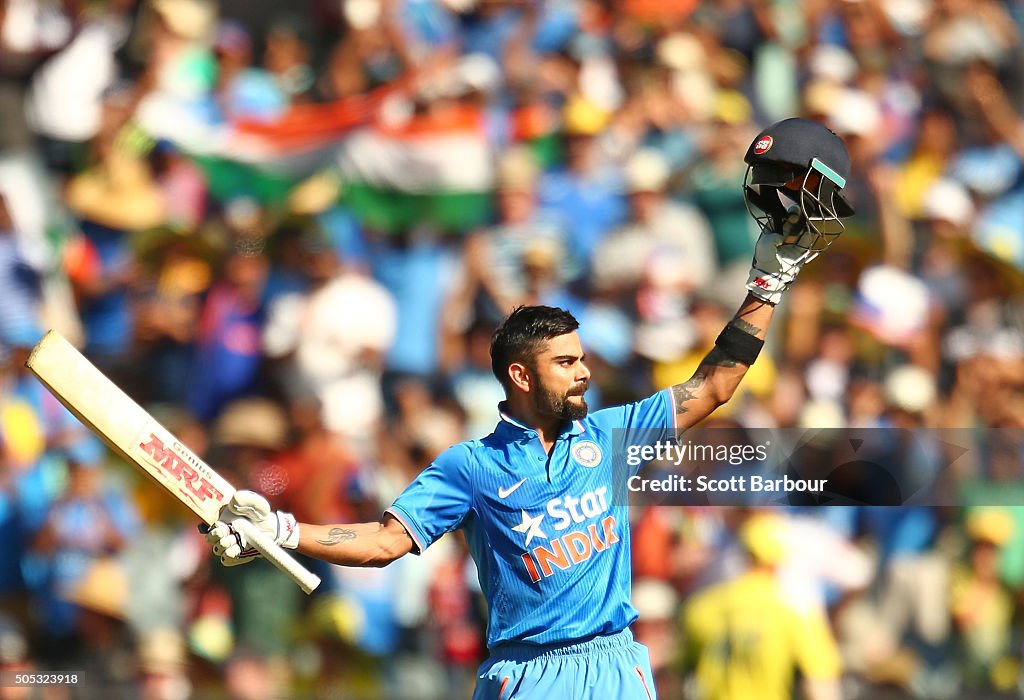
(435, 169)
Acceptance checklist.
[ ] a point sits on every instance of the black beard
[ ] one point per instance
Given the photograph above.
(559, 404)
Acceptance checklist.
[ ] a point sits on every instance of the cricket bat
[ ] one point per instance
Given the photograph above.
(139, 439)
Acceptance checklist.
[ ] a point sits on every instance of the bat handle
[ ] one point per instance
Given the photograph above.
(272, 552)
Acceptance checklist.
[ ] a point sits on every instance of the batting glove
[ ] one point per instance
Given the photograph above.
(231, 545)
(777, 263)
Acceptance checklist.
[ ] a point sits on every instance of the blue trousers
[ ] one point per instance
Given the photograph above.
(601, 668)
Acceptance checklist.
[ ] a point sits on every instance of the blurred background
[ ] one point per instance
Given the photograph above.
(288, 229)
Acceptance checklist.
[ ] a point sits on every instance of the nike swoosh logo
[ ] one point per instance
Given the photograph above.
(502, 493)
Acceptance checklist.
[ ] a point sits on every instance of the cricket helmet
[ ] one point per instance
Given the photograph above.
(796, 172)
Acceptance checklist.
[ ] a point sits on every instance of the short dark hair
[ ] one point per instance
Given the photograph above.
(520, 335)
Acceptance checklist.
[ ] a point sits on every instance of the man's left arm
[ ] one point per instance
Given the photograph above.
(777, 261)
(720, 372)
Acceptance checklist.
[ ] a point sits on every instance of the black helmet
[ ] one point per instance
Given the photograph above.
(796, 172)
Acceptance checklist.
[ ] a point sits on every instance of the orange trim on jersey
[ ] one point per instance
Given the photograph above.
(643, 682)
(504, 684)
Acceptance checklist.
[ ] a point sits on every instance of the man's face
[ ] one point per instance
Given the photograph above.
(561, 378)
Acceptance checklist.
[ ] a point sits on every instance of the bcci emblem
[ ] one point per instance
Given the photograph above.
(587, 453)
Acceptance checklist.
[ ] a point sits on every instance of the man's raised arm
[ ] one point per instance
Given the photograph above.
(719, 373)
(796, 172)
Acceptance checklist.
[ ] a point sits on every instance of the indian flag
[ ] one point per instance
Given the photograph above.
(397, 173)
(436, 169)
(262, 160)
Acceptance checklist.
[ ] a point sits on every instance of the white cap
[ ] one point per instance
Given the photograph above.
(948, 200)
(822, 414)
(189, 19)
(832, 62)
(362, 14)
(646, 171)
(479, 72)
(910, 388)
(654, 599)
(855, 113)
(682, 52)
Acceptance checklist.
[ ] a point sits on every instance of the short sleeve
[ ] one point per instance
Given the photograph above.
(645, 422)
(653, 413)
(438, 500)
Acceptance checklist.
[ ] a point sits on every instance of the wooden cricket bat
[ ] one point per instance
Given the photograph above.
(139, 439)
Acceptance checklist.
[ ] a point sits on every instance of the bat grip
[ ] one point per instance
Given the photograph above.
(272, 552)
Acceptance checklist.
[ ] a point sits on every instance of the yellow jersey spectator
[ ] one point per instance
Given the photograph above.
(743, 640)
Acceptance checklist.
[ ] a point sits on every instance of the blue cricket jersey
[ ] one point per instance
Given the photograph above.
(551, 546)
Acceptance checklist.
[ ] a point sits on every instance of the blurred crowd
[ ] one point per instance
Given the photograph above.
(289, 229)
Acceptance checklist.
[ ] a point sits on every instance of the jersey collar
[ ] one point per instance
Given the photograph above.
(572, 429)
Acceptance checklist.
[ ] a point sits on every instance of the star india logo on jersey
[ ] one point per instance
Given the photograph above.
(587, 453)
(598, 532)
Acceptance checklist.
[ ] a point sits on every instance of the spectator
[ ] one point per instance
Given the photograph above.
(81, 528)
(982, 607)
(113, 199)
(335, 337)
(716, 186)
(244, 91)
(586, 192)
(105, 649)
(418, 270)
(227, 357)
(162, 665)
(178, 273)
(64, 105)
(657, 226)
(743, 638)
(288, 57)
(493, 257)
(20, 283)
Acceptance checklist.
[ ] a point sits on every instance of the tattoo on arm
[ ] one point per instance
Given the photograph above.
(745, 326)
(336, 535)
(683, 393)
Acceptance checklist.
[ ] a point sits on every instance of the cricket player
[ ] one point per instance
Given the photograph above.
(534, 497)
(743, 639)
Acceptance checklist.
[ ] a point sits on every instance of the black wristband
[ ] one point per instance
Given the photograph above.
(739, 345)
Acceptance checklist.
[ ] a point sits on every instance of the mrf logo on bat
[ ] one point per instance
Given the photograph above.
(181, 466)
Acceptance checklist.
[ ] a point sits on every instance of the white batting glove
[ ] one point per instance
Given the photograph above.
(777, 263)
(231, 545)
